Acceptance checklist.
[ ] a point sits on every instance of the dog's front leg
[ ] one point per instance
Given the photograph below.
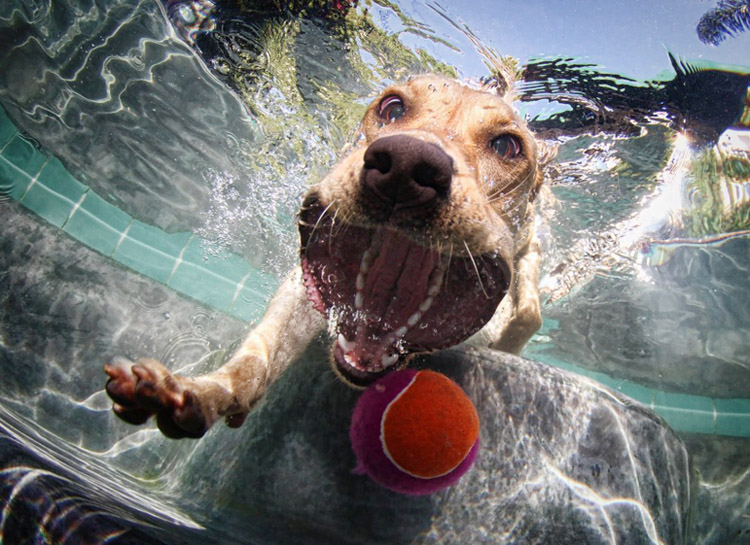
(525, 317)
(187, 407)
(518, 317)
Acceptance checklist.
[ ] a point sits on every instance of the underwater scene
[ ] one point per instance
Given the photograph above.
(156, 159)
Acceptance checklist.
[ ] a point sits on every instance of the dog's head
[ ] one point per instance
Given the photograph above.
(408, 243)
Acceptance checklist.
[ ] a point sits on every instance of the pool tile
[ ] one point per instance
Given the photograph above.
(98, 224)
(13, 181)
(601, 378)
(55, 194)
(205, 284)
(224, 263)
(7, 129)
(48, 204)
(150, 250)
(55, 177)
(684, 412)
(250, 303)
(23, 154)
(733, 417)
(636, 391)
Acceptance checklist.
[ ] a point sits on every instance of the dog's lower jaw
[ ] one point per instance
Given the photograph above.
(362, 379)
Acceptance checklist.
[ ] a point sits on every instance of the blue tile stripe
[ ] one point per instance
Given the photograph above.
(229, 284)
(179, 260)
(684, 412)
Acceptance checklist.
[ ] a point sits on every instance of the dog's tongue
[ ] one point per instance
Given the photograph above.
(393, 282)
(397, 279)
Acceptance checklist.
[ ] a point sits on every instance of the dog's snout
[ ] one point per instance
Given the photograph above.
(403, 172)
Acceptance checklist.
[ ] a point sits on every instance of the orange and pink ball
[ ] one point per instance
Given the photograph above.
(415, 432)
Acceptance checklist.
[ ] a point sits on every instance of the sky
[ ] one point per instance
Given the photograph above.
(628, 37)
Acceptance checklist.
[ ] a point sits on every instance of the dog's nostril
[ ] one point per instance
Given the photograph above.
(428, 175)
(380, 161)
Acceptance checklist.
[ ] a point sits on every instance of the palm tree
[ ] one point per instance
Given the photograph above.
(727, 19)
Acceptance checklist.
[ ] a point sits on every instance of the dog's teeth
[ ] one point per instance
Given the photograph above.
(426, 304)
(364, 265)
(360, 282)
(434, 289)
(436, 281)
(387, 361)
(413, 319)
(401, 331)
(354, 362)
(345, 344)
(358, 301)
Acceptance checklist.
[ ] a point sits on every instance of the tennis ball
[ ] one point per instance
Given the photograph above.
(414, 432)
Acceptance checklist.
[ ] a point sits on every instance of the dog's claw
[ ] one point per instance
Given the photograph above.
(131, 415)
(192, 424)
(147, 388)
(235, 420)
(190, 415)
(121, 385)
(154, 392)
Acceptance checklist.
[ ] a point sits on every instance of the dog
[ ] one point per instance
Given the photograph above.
(419, 238)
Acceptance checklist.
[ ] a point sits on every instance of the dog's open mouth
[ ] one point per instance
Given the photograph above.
(387, 296)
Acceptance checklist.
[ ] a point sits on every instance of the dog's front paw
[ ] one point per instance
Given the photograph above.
(145, 388)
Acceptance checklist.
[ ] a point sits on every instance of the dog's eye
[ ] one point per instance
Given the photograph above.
(506, 146)
(391, 108)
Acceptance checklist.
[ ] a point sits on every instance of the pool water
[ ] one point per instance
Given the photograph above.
(152, 159)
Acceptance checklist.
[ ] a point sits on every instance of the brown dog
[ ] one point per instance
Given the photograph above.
(420, 237)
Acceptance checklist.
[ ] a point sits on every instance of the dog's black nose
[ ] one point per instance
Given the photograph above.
(404, 173)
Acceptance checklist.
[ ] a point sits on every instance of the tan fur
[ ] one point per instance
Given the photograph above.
(490, 209)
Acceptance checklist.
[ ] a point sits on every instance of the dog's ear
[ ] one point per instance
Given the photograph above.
(546, 152)
(504, 71)
(502, 83)
(496, 84)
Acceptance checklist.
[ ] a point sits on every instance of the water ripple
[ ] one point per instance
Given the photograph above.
(111, 91)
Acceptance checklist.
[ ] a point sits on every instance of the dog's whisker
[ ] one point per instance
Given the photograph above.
(339, 227)
(448, 266)
(517, 202)
(516, 206)
(503, 193)
(514, 189)
(343, 223)
(318, 221)
(322, 215)
(476, 269)
(332, 230)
